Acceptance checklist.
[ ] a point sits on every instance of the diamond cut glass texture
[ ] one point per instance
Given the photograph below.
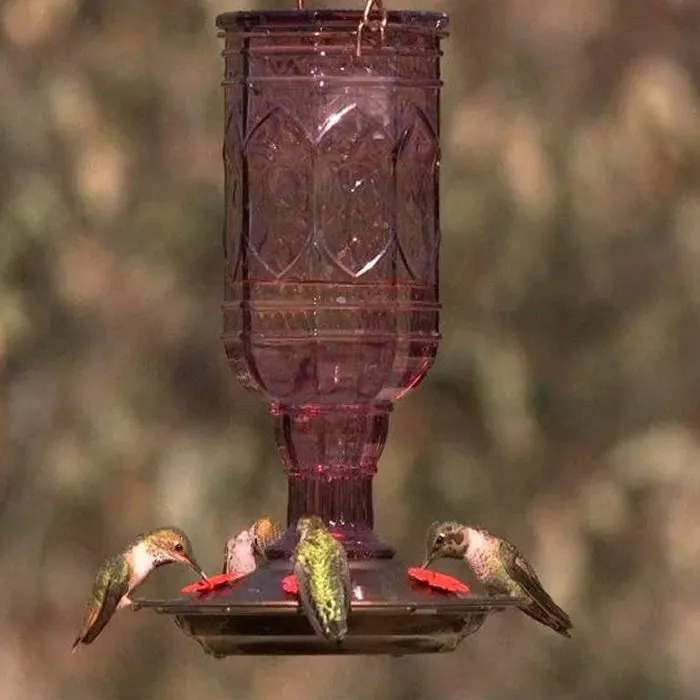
(331, 307)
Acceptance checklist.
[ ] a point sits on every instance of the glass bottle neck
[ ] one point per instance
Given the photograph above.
(330, 454)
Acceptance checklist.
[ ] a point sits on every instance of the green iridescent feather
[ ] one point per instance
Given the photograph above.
(323, 575)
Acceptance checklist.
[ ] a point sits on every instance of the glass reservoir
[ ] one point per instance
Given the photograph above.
(331, 243)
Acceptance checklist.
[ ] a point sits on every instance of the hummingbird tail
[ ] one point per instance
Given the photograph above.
(560, 621)
(552, 616)
(332, 629)
(336, 630)
(559, 627)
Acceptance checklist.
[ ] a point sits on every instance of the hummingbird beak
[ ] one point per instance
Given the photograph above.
(195, 567)
(428, 561)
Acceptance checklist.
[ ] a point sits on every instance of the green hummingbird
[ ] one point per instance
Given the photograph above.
(323, 576)
(121, 574)
(499, 567)
(245, 551)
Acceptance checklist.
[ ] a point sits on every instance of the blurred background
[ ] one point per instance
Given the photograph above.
(563, 411)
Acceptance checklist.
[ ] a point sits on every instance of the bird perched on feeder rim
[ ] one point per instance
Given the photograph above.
(245, 551)
(121, 574)
(499, 567)
(323, 577)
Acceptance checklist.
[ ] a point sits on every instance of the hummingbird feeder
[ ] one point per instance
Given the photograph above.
(331, 310)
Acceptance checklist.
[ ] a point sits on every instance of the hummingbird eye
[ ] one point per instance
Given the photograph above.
(179, 547)
(439, 540)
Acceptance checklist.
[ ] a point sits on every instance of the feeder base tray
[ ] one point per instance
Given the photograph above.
(390, 615)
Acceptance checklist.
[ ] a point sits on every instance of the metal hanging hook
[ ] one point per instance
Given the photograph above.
(366, 22)
(372, 25)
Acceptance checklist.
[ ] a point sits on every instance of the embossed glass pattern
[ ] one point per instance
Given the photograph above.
(331, 305)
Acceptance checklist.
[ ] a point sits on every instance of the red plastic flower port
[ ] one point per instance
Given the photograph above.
(290, 585)
(438, 581)
(212, 583)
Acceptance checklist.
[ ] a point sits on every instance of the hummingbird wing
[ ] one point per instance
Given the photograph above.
(111, 585)
(540, 605)
(344, 569)
(224, 568)
(229, 556)
(336, 608)
(429, 538)
(323, 575)
(302, 574)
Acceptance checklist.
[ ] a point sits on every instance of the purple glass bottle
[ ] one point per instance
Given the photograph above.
(331, 307)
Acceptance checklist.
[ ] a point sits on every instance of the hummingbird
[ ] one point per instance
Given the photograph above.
(500, 568)
(245, 550)
(124, 572)
(323, 576)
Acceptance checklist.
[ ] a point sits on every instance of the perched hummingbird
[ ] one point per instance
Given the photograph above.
(124, 572)
(499, 567)
(323, 576)
(244, 552)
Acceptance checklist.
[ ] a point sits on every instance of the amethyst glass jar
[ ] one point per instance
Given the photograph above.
(331, 310)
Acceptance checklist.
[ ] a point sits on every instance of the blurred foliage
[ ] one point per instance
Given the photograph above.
(563, 410)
